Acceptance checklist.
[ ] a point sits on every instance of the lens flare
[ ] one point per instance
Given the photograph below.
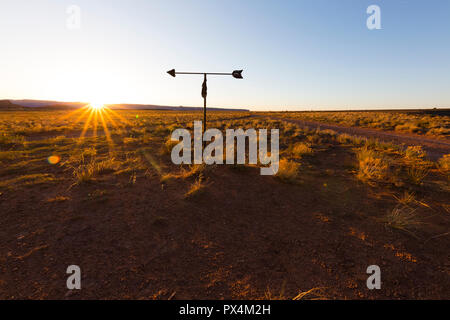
(53, 159)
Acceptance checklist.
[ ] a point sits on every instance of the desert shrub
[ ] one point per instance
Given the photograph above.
(83, 173)
(86, 171)
(443, 164)
(415, 153)
(418, 171)
(408, 127)
(373, 167)
(300, 149)
(82, 156)
(327, 135)
(439, 132)
(314, 138)
(106, 166)
(417, 167)
(344, 138)
(288, 170)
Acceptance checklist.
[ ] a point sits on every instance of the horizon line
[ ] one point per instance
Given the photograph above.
(254, 109)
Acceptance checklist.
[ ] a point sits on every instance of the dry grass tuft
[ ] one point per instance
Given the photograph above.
(194, 170)
(403, 218)
(415, 153)
(301, 149)
(85, 172)
(418, 171)
(288, 170)
(373, 167)
(444, 165)
(197, 188)
(406, 199)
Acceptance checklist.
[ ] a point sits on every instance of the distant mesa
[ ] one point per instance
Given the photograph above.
(56, 105)
(28, 104)
(7, 105)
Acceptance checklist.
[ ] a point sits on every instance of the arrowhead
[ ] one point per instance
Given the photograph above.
(171, 72)
(237, 74)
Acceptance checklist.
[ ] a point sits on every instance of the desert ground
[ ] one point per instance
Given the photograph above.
(98, 189)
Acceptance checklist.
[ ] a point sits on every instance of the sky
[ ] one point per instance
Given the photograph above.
(296, 55)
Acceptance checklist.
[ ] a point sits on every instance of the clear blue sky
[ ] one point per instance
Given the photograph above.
(310, 54)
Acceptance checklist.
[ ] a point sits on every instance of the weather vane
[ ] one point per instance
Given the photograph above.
(236, 74)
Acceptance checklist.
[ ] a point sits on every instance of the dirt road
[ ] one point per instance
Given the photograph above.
(434, 148)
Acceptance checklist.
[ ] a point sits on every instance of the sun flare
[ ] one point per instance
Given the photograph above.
(97, 105)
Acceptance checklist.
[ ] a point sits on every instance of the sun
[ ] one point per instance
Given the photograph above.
(95, 105)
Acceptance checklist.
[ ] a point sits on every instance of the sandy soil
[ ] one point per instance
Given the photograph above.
(245, 236)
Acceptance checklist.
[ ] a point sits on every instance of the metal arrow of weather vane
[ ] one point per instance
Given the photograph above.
(236, 74)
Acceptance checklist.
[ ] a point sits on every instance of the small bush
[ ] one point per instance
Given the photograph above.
(372, 165)
(86, 172)
(417, 172)
(415, 153)
(106, 166)
(344, 138)
(410, 127)
(300, 149)
(444, 164)
(288, 170)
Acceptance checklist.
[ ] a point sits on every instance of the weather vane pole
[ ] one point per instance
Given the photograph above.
(236, 74)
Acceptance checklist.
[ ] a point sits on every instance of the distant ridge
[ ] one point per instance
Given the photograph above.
(7, 105)
(26, 104)
(157, 107)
